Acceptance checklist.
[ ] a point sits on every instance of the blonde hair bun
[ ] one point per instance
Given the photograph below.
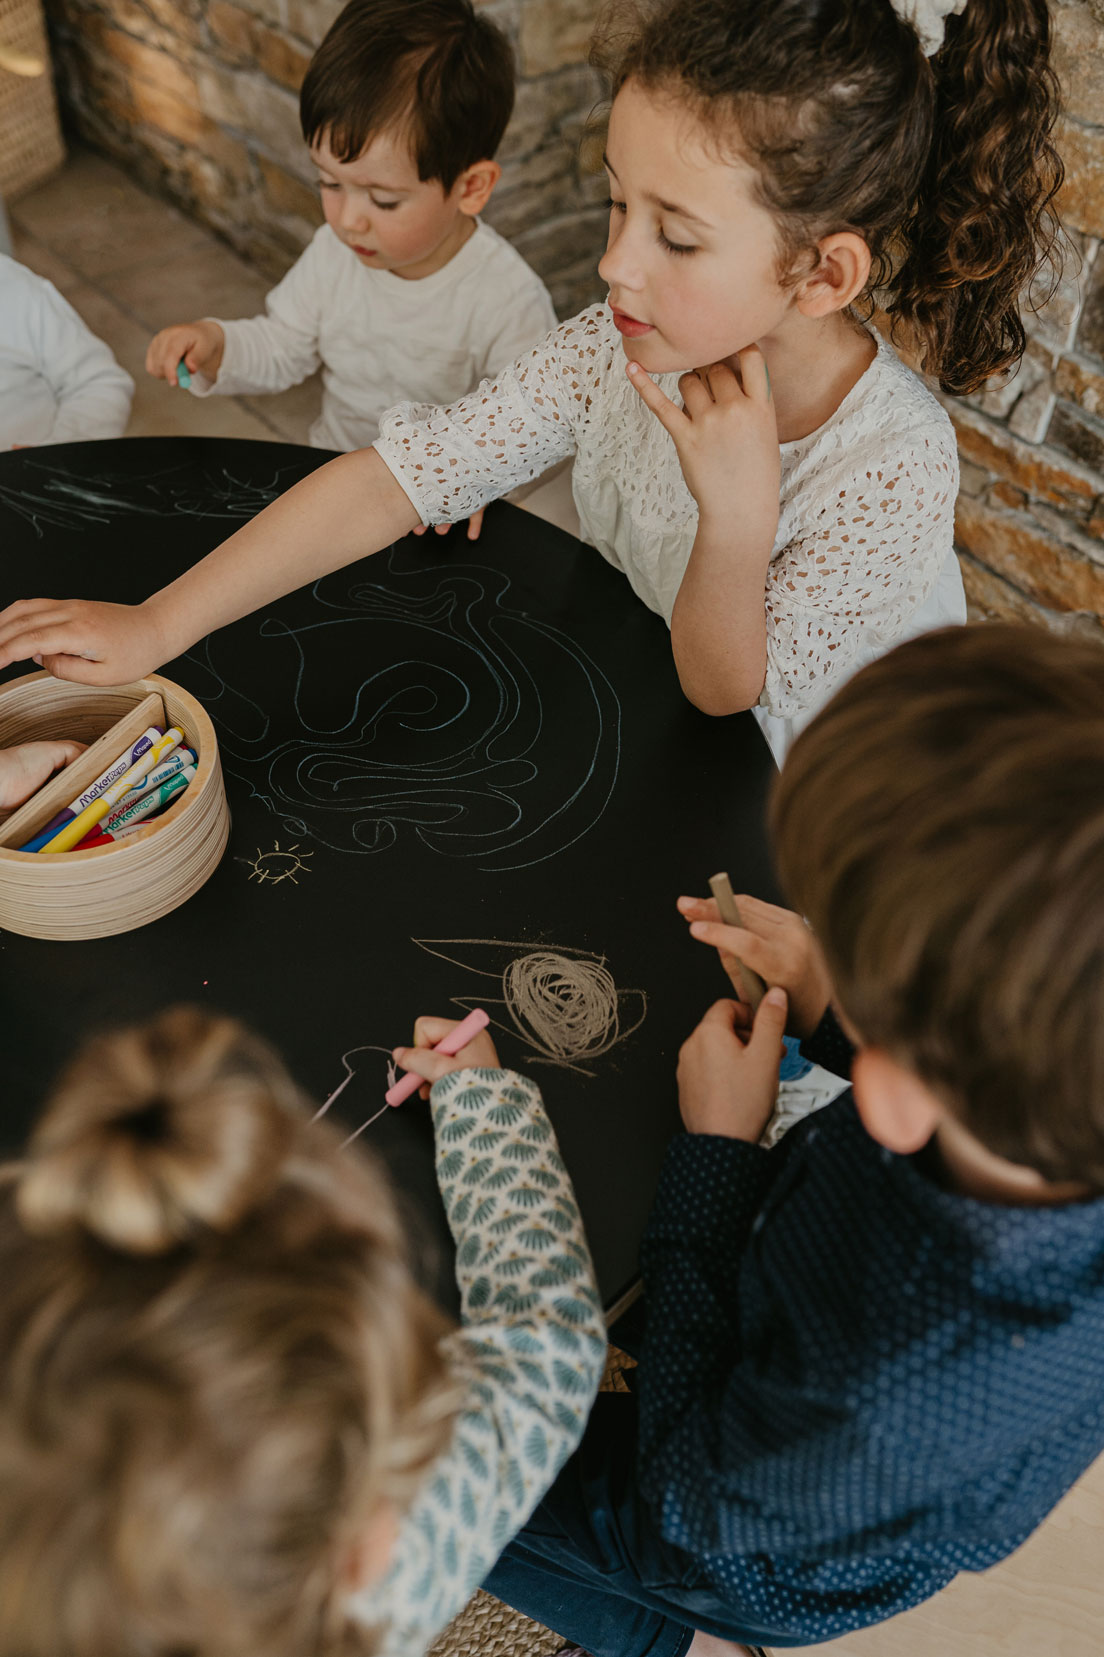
(157, 1134)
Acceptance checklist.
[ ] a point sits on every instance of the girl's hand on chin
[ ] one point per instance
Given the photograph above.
(726, 437)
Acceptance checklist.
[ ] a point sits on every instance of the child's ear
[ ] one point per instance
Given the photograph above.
(896, 1108)
(475, 185)
(840, 276)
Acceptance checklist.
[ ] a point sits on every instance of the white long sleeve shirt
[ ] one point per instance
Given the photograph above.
(382, 338)
(863, 556)
(58, 382)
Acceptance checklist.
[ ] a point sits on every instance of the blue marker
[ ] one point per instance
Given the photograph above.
(115, 770)
(183, 377)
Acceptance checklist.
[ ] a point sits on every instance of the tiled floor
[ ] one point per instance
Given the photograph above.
(131, 264)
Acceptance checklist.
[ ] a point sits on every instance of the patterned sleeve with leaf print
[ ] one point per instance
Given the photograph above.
(529, 1353)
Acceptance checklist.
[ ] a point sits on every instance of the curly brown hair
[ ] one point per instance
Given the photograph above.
(944, 165)
(215, 1363)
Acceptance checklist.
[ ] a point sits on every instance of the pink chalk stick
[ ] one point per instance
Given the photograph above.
(468, 1027)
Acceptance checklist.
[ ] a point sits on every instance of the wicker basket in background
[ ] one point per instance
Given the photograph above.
(30, 135)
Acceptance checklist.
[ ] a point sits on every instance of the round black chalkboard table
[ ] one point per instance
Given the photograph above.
(459, 775)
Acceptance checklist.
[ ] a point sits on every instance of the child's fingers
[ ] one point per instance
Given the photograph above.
(419, 529)
(424, 1062)
(754, 374)
(698, 909)
(723, 385)
(769, 1026)
(475, 525)
(428, 1030)
(695, 394)
(672, 418)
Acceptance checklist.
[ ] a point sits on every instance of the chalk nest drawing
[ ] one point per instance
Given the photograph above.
(562, 1003)
(418, 705)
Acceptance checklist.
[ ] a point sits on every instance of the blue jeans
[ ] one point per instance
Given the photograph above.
(591, 1564)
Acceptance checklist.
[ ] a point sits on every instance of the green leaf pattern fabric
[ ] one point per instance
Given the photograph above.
(529, 1352)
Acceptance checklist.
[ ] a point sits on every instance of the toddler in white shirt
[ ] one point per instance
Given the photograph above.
(58, 382)
(403, 293)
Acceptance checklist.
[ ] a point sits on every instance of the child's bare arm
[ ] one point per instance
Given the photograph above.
(726, 436)
(25, 768)
(776, 944)
(350, 507)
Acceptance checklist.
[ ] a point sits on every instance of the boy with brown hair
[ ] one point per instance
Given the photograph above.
(403, 294)
(872, 1353)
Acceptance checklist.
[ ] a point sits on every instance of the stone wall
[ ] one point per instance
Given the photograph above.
(1030, 520)
(199, 98)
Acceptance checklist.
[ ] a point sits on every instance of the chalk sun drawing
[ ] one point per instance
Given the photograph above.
(281, 863)
(562, 1003)
(429, 720)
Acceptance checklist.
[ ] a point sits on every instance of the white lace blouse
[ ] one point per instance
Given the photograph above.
(863, 556)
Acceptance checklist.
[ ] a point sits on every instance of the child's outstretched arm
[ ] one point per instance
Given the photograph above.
(529, 1354)
(726, 435)
(350, 507)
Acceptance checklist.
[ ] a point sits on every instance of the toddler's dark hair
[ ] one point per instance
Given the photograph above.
(944, 165)
(941, 824)
(434, 68)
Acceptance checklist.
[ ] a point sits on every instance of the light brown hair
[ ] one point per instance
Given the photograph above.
(941, 825)
(214, 1361)
(945, 166)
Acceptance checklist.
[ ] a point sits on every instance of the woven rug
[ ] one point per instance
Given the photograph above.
(486, 1627)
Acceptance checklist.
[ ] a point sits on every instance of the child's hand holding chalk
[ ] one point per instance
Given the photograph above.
(776, 944)
(441, 1045)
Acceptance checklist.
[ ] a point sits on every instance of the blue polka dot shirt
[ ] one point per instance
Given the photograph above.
(856, 1382)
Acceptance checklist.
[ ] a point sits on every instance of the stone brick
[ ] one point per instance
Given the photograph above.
(1040, 474)
(157, 22)
(1031, 416)
(145, 63)
(281, 59)
(1080, 436)
(1053, 305)
(310, 19)
(1090, 332)
(1026, 553)
(266, 115)
(548, 107)
(288, 195)
(1079, 59)
(1079, 382)
(973, 480)
(554, 33)
(233, 31)
(990, 598)
(1081, 202)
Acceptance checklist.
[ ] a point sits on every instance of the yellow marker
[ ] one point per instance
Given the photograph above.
(75, 831)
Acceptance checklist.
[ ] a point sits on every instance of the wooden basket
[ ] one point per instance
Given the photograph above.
(114, 888)
(30, 137)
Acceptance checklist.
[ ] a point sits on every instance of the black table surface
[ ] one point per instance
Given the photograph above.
(485, 745)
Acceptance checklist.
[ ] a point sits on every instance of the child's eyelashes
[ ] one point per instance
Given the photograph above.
(381, 206)
(664, 241)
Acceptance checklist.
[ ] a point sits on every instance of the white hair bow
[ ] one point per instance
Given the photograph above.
(928, 18)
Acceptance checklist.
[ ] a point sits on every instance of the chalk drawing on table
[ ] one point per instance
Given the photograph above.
(281, 863)
(562, 1003)
(387, 1081)
(51, 497)
(418, 706)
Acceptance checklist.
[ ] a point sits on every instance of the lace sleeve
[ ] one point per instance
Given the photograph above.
(451, 461)
(869, 551)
